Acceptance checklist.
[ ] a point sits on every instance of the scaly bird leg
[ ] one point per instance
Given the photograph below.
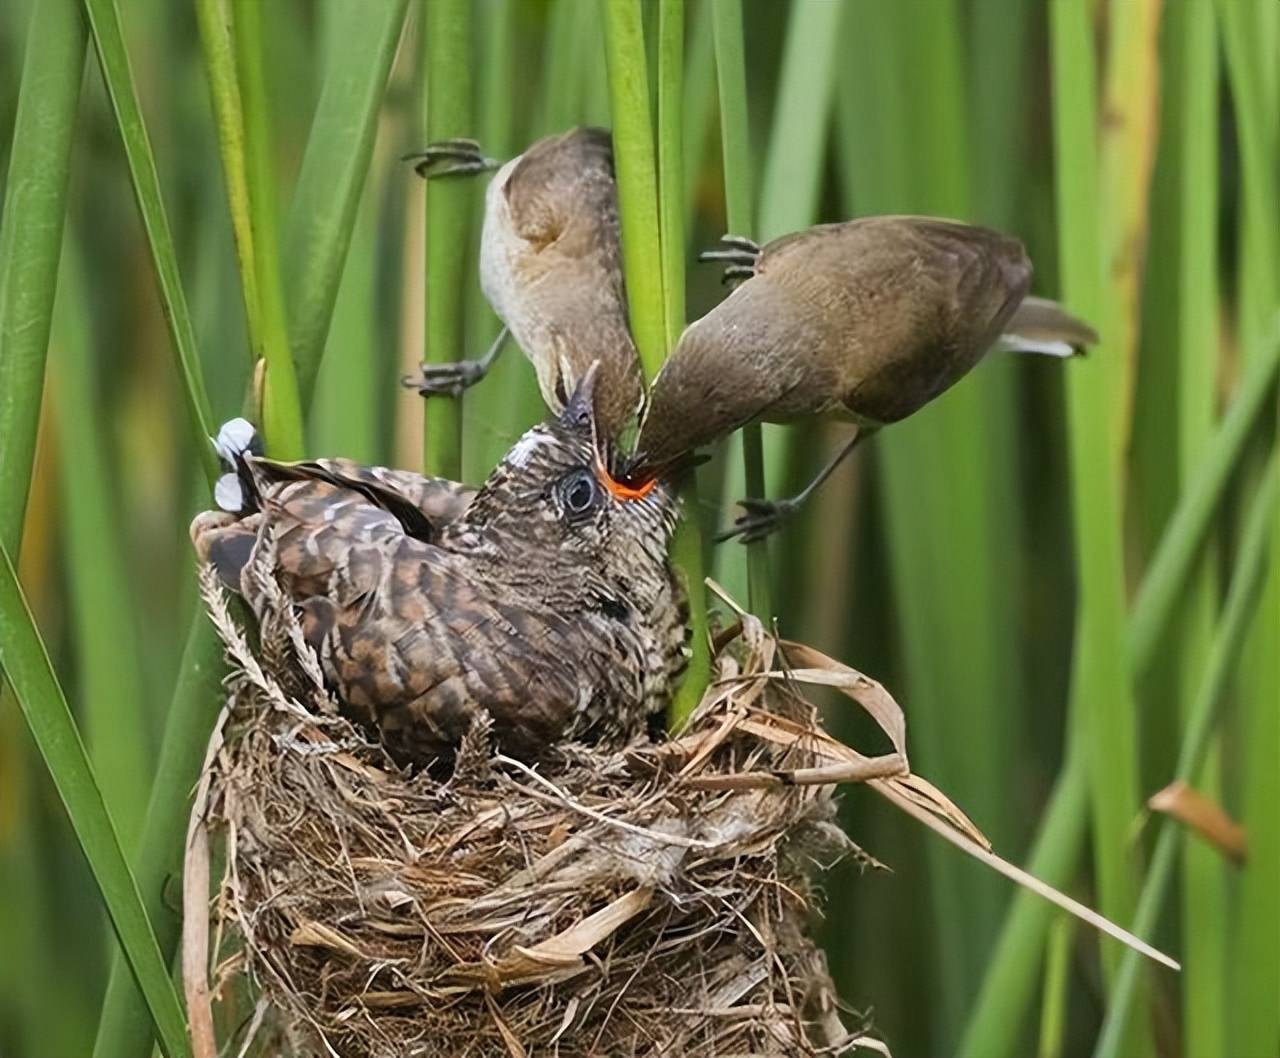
(452, 380)
(761, 517)
(739, 253)
(458, 157)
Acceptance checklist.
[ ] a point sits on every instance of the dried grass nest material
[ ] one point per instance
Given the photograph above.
(648, 901)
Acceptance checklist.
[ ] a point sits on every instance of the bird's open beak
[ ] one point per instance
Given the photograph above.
(579, 414)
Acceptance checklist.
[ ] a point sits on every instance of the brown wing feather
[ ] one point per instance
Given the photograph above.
(411, 636)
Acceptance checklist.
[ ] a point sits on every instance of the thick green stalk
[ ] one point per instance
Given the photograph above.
(735, 155)
(26, 664)
(1219, 670)
(326, 199)
(113, 58)
(35, 205)
(213, 18)
(1008, 985)
(281, 408)
(686, 548)
(1093, 212)
(448, 82)
(1193, 76)
(633, 156)
(1249, 35)
(496, 403)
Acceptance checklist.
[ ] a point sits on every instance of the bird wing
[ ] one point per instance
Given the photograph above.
(422, 505)
(413, 639)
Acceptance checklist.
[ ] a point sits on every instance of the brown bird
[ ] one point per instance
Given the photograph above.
(544, 599)
(551, 267)
(869, 320)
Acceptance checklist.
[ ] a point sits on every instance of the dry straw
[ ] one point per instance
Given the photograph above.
(652, 900)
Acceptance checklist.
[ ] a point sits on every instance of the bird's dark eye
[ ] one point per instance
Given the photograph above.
(579, 492)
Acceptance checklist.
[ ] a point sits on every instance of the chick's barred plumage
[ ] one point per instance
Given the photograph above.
(545, 602)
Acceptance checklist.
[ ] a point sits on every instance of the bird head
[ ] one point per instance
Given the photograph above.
(555, 495)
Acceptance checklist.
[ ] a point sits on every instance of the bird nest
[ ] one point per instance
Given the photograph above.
(651, 900)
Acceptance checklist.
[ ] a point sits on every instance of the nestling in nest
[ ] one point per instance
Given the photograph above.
(651, 900)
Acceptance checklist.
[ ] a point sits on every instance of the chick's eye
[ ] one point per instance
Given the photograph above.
(579, 492)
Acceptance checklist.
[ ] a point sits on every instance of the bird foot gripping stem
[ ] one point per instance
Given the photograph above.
(740, 255)
(455, 157)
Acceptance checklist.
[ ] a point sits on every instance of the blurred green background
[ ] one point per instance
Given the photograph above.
(1069, 574)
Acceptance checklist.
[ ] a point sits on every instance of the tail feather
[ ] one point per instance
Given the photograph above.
(1043, 326)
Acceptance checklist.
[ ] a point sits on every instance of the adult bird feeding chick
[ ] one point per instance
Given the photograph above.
(868, 320)
(551, 267)
(543, 601)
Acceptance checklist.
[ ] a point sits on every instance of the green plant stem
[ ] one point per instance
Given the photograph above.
(1008, 983)
(35, 205)
(213, 18)
(113, 58)
(1249, 34)
(27, 667)
(1242, 595)
(633, 157)
(448, 83)
(1057, 961)
(735, 153)
(322, 214)
(1098, 410)
(686, 548)
(281, 408)
(1193, 78)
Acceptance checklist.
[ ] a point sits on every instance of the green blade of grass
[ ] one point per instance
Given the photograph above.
(1102, 226)
(113, 59)
(228, 114)
(125, 1026)
(322, 214)
(281, 407)
(493, 417)
(35, 204)
(115, 712)
(1218, 671)
(1009, 980)
(1053, 1014)
(447, 49)
(686, 547)
(1249, 36)
(633, 156)
(30, 675)
(735, 155)
(1193, 77)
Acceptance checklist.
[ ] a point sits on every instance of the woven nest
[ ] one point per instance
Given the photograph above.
(648, 901)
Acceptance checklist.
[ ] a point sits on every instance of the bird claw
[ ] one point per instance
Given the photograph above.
(759, 518)
(739, 253)
(446, 380)
(456, 157)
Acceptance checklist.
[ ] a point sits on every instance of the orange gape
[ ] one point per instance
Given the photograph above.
(620, 491)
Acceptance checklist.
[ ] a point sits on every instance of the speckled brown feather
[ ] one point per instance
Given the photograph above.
(551, 266)
(554, 629)
(869, 319)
